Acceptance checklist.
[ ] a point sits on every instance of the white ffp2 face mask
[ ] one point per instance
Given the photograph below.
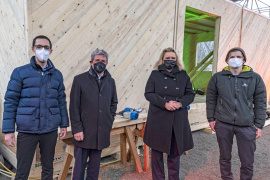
(235, 62)
(42, 55)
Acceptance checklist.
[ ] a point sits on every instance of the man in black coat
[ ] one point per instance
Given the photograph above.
(236, 105)
(93, 104)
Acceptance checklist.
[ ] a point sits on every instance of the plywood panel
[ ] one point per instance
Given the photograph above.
(256, 43)
(13, 42)
(133, 33)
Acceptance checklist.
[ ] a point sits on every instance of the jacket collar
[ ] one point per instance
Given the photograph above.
(103, 79)
(246, 71)
(94, 74)
(163, 70)
(50, 67)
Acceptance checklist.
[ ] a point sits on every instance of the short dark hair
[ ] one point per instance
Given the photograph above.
(236, 49)
(41, 37)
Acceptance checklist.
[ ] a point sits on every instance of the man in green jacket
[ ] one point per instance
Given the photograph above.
(236, 105)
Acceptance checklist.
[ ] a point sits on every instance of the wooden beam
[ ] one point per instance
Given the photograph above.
(190, 33)
(216, 45)
(201, 24)
(65, 169)
(193, 13)
(117, 131)
(133, 149)
(137, 133)
(195, 29)
(202, 68)
(123, 148)
(197, 18)
(146, 158)
(200, 64)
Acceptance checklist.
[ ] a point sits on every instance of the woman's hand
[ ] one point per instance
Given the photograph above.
(177, 105)
(173, 105)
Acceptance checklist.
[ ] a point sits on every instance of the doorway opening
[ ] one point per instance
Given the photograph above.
(201, 39)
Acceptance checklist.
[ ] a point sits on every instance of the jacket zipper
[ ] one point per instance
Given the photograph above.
(42, 73)
(235, 100)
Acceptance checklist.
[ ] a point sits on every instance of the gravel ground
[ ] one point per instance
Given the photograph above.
(201, 163)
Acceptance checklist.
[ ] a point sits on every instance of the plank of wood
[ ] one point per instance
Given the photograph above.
(146, 158)
(134, 152)
(123, 148)
(267, 122)
(66, 165)
(8, 154)
(208, 130)
(137, 132)
(129, 157)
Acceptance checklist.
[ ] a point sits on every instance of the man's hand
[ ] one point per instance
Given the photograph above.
(212, 125)
(78, 136)
(63, 132)
(10, 139)
(258, 133)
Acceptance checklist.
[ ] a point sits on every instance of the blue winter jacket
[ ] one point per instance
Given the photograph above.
(35, 100)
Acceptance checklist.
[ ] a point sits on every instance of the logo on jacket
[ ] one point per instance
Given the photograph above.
(245, 85)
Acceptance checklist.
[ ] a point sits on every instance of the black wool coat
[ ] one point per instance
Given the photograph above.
(92, 109)
(163, 86)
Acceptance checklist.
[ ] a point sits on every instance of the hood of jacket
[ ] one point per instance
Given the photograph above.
(245, 73)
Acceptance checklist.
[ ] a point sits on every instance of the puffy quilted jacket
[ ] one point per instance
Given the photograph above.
(35, 100)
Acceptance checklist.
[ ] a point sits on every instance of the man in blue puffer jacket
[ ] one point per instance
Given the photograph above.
(36, 101)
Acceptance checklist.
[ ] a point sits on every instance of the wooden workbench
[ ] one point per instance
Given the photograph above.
(129, 131)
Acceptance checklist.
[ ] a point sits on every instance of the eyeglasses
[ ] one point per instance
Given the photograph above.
(40, 47)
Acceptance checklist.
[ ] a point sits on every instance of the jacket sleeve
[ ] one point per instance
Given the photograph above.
(211, 99)
(74, 107)
(260, 103)
(188, 98)
(62, 104)
(12, 98)
(150, 94)
(114, 100)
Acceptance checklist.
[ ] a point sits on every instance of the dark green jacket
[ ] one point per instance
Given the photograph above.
(237, 100)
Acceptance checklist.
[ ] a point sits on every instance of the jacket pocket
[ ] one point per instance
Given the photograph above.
(54, 110)
(26, 110)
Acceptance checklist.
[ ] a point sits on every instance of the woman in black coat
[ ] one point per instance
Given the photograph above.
(169, 92)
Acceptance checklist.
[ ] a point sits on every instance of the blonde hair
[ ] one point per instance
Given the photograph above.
(169, 49)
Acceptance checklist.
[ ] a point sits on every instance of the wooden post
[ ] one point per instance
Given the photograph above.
(64, 171)
(146, 158)
(133, 149)
(123, 148)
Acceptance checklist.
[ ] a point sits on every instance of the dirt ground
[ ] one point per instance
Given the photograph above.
(201, 163)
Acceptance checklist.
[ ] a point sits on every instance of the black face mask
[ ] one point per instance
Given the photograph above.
(99, 67)
(169, 64)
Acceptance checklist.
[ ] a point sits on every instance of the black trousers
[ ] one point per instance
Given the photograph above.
(26, 146)
(173, 162)
(93, 163)
(246, 142)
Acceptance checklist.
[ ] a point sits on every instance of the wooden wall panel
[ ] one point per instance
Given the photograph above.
(229, 28)
(132, 32)
(13, 42)
(256, 43)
